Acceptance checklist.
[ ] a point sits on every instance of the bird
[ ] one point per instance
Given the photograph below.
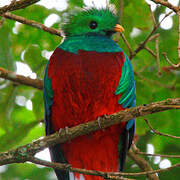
(89, 76)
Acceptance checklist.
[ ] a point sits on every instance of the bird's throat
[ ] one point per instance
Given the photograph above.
(98, 43)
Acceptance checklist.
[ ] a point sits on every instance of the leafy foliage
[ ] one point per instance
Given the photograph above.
(20, 125)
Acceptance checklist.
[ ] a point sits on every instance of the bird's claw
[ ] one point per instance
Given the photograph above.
(60, 130)
(99, 122)
(106, 116)
(67, 133)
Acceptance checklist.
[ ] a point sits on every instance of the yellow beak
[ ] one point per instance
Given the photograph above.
(118, 28)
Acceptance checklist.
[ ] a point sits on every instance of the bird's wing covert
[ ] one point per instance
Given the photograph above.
(126, 88)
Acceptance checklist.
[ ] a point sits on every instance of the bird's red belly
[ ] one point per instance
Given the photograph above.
(84, 86)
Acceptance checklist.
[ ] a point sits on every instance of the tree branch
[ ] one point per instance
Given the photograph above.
(167, 4)
(137, 151)
(36, 83)
(160, 155)
(13, 156)
(31, 23)
(143, 164)
(152, 15)
(157, 56)
(150, 51)
(105, 175)
(68, 167)
(167, 59)
(15, 5)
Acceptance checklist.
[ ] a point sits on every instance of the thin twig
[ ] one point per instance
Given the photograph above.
(159, 133)
(167, 59)
(137, 151)
(31, 23)
(179, 35)
(141, 70)
(157, 56)
(169, 68)
(154, 36)
(150, 51)
(127, 44)
(152, 15)
(160, 155)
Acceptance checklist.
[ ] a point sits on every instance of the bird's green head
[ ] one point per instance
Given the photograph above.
(92, 21)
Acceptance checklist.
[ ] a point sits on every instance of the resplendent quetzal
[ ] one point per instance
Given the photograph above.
(89, 76)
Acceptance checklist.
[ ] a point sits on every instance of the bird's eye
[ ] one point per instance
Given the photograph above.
(93, 24)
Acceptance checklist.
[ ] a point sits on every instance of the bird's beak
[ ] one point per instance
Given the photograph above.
(118, 28)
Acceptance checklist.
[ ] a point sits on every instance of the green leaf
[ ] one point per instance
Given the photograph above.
(74, 3)
(38, 105)
(15, 136)
(6, 59)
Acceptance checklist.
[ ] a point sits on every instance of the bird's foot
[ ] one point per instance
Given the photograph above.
(106, 116)
(99, 121)
(60, 130)
(67, 133)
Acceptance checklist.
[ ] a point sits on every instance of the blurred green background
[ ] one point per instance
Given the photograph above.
(26, 50)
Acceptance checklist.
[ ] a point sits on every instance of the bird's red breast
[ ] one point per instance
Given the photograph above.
(83, 85)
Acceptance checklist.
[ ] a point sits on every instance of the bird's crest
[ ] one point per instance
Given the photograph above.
(89, 20)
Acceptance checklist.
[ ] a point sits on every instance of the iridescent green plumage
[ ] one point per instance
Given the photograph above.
(98, 43)
(78, 23)
(126, 85)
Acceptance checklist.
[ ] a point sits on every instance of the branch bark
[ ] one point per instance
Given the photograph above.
(143, 164)
(32, 23)
(167, 4)
(15, 5)
(36, 83)
(160, 155)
